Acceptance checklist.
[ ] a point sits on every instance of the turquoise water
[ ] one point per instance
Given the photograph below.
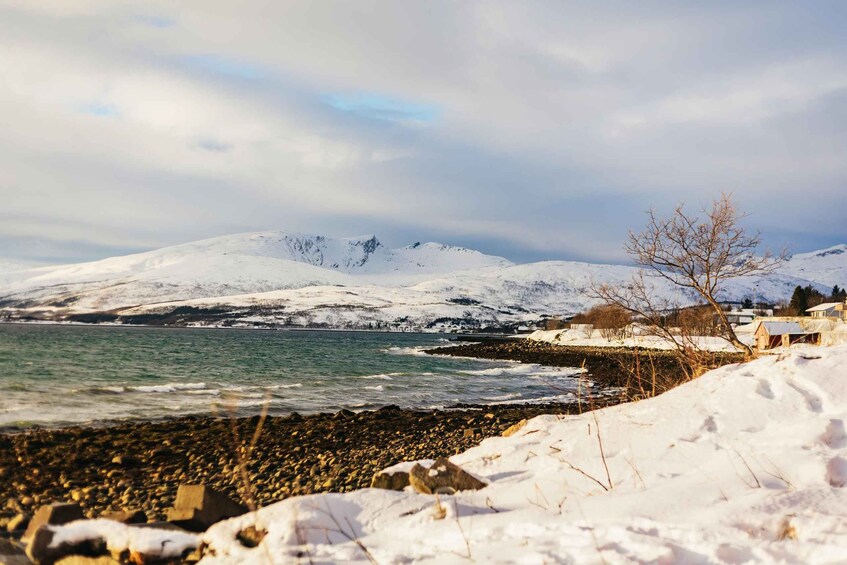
(58, 375)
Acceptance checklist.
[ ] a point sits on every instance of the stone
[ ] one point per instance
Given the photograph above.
(41, 549)
(251, 536)
(443, 477)
(12, 554)
(390, 481)
(19, 522)
(125, 461)
(54, 515)
(514, 428)
(81, 560)
(127, 516)
(198, 506)
(472, 432)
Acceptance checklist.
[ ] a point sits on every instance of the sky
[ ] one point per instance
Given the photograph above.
(533, 130)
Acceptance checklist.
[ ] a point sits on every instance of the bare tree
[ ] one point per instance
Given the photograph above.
(696, 252)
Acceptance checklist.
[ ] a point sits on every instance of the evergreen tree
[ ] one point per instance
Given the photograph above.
(836, 292)
(799, 301)
(748, 303)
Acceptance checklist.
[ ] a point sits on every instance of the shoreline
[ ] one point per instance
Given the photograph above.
(140, 464)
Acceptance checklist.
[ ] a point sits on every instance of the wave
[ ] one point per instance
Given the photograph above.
(384, 377)
(170, 387)
(378, 388)
(418, 351)
(527, 370)
(555, 399)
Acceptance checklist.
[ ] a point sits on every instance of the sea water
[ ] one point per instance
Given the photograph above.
(56, 375)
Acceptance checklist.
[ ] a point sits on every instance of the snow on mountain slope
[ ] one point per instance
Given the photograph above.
(238, 264)
(281, 278)
(827, 266)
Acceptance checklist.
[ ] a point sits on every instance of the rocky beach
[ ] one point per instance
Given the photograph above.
(140, 464)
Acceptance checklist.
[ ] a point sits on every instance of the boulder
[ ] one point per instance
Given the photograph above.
(19, 522)
(197, 507)
(54, 515)
(514, 428)
(390, 481)
(40, 550)
(12, 554)
(80, 560)
(127, 516)
(443, 477)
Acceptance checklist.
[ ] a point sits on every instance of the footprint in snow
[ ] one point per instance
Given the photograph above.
(764, 389)
(835, 436)
(836, 472)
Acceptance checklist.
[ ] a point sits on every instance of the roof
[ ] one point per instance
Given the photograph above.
(824, 306)
(780, 328)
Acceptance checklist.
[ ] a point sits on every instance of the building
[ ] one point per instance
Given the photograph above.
(828, 310)
(782, 334)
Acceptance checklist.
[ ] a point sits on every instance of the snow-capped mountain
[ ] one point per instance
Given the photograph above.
(827, 266)
(278, 278)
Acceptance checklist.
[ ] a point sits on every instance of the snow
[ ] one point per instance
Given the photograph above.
(308, 280)
(748, 463)
(119, 537)
(829, 266)
(780, 328)
(581, 337)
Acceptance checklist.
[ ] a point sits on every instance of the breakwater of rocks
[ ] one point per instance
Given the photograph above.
(636, 372)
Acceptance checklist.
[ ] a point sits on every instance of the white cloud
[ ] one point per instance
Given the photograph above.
(554, 124)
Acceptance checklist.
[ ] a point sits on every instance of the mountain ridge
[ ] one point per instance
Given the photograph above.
(305, 279)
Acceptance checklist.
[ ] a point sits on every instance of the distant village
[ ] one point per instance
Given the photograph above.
(810, 317)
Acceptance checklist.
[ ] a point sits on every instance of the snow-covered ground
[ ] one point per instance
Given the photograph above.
(747, 464)
(593, 338)
(299, 279)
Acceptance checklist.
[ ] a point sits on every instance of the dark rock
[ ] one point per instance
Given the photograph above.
(127, 516)
(54, 515)
(197, 507)
(442, 477)
(159, 526)
(18, 523)
(125, 461)
(12, 553)
(41, 550)
(390, 481)
(251, 536)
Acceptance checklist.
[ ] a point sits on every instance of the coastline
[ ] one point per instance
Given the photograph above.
(140, 464)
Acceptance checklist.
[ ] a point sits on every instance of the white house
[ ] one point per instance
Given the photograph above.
(827, 310)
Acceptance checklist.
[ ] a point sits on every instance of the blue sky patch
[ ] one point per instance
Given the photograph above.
(380, 107)
(100, 109)
(219, 65)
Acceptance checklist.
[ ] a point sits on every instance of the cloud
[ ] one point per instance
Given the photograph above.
(532, 130)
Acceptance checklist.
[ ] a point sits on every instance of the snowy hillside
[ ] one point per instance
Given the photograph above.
(747, 464)
(827, 266)
(277, 278)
